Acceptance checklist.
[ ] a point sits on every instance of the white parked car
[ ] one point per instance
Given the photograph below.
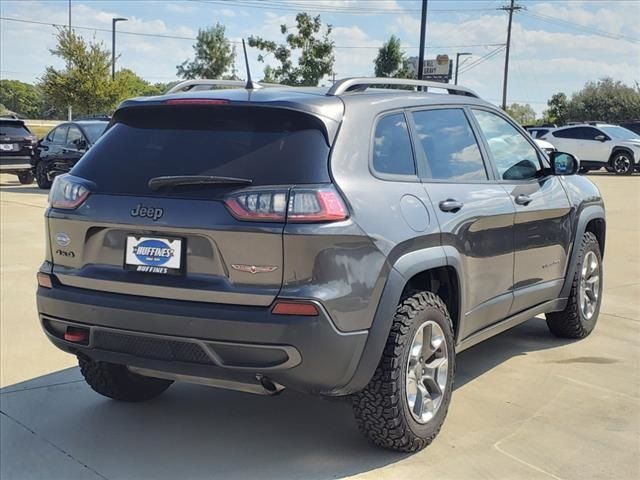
(545, 146)
(599, 145)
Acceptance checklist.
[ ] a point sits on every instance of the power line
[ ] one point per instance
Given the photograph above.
(482, 59)
(324, 8)
(577, 26)
(176, 37)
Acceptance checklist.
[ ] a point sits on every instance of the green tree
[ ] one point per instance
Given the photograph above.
(128, 85)
(315, 53)
(214, 56)
(21, 98)
(523, 114)
(390, 59)
(557, 111)
(605, 100)
(85, 83)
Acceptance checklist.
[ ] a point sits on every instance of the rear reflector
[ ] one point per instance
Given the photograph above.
(44, 280)
(295, 308)
(196, 101)
(76, 335)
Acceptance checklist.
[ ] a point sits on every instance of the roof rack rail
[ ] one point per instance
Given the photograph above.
(360, 84)
(206, 84)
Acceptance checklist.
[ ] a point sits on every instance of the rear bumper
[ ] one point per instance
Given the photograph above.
(207, 340)
(15, 163)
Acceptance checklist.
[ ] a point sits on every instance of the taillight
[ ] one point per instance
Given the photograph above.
(67, 193)
(299, 205)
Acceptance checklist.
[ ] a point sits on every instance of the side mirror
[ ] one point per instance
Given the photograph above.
(601, 138)
(564, 163)
(81, 144)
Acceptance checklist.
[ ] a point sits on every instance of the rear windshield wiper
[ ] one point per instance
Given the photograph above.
(157, 183)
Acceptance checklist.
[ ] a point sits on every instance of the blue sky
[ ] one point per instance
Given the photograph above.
(557, 45)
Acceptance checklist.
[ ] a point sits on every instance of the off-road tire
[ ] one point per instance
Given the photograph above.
(25, 178)
(117, 382)
(381, 409)
(41, 175)
(631, 166)
(570, 322)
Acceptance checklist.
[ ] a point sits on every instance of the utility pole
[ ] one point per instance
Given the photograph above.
(113, 44)
(458, 55)
(511, 8)
(423, 31)
(69, 110)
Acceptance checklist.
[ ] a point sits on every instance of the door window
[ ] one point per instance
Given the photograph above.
(60, 135)
(590, 133)
(514, 157)
(449, 145)
(74, 137)
(575, 133)
(392, 152)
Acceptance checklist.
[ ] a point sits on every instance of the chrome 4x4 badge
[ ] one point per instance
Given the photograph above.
(153, 255)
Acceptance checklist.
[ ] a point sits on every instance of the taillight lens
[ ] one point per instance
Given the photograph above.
(307, 205)
(299, 205)
(67, 193)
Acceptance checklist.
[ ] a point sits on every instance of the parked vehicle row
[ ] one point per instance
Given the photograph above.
(597, 145)
(23, 155)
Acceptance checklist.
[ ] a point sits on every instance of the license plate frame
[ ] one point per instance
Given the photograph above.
(158, 255)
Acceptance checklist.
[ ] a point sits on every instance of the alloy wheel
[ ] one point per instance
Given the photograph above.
(621, 164)
(427, 371)
(589, 285)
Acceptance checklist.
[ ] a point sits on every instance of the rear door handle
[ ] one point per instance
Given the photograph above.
(523, 199)
(450, 205)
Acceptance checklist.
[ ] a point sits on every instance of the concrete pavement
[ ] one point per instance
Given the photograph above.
(526, 405)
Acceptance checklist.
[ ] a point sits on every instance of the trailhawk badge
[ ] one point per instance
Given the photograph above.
(254, 268)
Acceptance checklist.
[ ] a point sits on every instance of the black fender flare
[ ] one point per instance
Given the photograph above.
(404, 268)
(591, 212)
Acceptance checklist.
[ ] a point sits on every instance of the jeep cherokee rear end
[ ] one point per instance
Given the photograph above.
(195, 237)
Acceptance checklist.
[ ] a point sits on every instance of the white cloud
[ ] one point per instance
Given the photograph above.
(181, 7)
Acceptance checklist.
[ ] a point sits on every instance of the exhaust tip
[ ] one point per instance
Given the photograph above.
(270, 386)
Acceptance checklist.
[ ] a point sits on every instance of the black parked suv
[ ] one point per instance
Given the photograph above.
(341, 241)
(63, 146)
(17, 145)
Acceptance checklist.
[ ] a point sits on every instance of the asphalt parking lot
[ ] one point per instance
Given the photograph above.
(526, 405)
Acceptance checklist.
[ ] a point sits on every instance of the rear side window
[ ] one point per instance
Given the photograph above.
(13, 130)
(392, 152)
(74, 136)
(265, 145)
(449, 145)
(575, 133)
(60, 135)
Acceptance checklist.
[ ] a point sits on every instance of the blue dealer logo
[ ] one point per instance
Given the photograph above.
(153, 252)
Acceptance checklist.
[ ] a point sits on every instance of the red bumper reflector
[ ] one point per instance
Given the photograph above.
(76, 335)
(295, 308)
(44, 280)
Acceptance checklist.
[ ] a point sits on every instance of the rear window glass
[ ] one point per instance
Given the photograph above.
(13, 130)
(94, 130)
(266, 145)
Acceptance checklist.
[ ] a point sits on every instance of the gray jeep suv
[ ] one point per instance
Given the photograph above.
(341, 241)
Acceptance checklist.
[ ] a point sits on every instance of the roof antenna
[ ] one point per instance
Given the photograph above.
(250, 84)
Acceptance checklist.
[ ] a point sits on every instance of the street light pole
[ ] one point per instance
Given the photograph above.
(458, 55)
(69, 109)
(423, 28)
(113, 44)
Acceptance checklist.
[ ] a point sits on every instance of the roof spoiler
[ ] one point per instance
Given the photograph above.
(360, 84)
